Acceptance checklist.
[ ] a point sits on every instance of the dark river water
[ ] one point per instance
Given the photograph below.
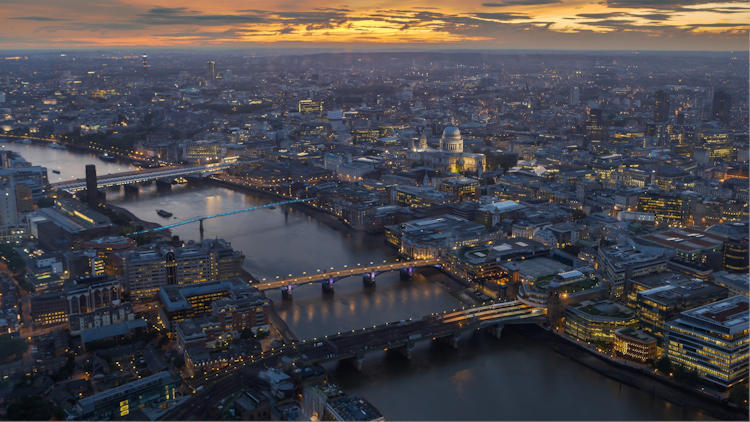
(515, 377)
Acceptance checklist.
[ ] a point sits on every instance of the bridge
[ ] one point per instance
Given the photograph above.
(223, 214)
(401, 336)
(141, 176)
(329, 277)
(354, 345)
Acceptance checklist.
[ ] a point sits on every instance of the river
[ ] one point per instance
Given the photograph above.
(516, 377)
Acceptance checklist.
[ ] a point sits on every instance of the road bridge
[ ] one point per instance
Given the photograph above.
(141, 176)
(354, 345)
(330, 276)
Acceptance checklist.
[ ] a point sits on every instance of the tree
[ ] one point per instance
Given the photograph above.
(664, 365)
(12, 258)
(11, 348)
(739, 394)
(32, 408)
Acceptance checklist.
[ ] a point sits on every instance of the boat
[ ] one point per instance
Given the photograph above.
(163, 213)
(57, 146)
(273, 207)
(107, 157)
(25, 141)
(56, 171)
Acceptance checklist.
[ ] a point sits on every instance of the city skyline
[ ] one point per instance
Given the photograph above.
(511, 24)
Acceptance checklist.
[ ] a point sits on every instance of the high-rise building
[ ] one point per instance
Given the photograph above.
(92, 192)
(661, 106)
(575, 96)
(210, 70)
(595, 134)
(736, 255)
(721, 108)
(712, 340)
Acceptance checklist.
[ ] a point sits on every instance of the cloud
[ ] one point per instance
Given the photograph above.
(501, 16)
(652, 16)
(601, 15)
(519, 3)
(37, 18)
(181, 16)
(158, 10)
(662, 4)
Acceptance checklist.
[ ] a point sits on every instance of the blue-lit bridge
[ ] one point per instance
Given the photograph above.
(330, 276)
(223, 214)
(141, 176)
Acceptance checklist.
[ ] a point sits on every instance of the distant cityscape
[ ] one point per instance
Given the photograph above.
(591, 204)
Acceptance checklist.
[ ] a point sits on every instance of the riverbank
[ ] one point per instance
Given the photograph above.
(682, 396)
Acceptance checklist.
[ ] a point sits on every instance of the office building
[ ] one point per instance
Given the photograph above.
(656, 306)
(712, 340)
(244, 307)
(621, 264)
(146, 271)
(156, 391)
(210, 71)
(721, 106)
(635, 345)
(595, 321)
(668, 209)
(661, 106)
(310, 106)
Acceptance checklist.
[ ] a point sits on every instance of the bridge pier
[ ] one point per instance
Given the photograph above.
(405, 350)
(406, 273)
(163, 185)
(286, 293)
(497, 330)
(369, 279)
(327, 286)
(131, 190)
(359, 360)
(452, 340)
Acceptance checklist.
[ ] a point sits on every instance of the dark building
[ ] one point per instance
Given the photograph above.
(210, 70)
(92, 193)
(595, 134)
(736, 255)
(721, 106)
(661, 106)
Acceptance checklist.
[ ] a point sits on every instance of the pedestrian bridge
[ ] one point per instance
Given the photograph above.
(332, 275)
(141, 176)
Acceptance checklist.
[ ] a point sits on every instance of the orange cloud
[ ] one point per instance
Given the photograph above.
(573, 24)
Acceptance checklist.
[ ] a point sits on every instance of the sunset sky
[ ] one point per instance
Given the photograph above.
(501, 24)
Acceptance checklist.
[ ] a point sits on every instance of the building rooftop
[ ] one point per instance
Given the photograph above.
(729, 316)
(687, 240)
(353, 408)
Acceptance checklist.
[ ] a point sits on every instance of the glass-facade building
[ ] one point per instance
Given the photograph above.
(712, 340)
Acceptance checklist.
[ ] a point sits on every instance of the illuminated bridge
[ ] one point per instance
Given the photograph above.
(354, 345)
(329, 277)
(223, 214)
(141, 176)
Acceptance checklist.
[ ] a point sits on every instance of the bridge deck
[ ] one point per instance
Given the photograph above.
(139, 176)
(347, 272)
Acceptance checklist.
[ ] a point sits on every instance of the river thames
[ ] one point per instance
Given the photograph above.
(516, 377)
